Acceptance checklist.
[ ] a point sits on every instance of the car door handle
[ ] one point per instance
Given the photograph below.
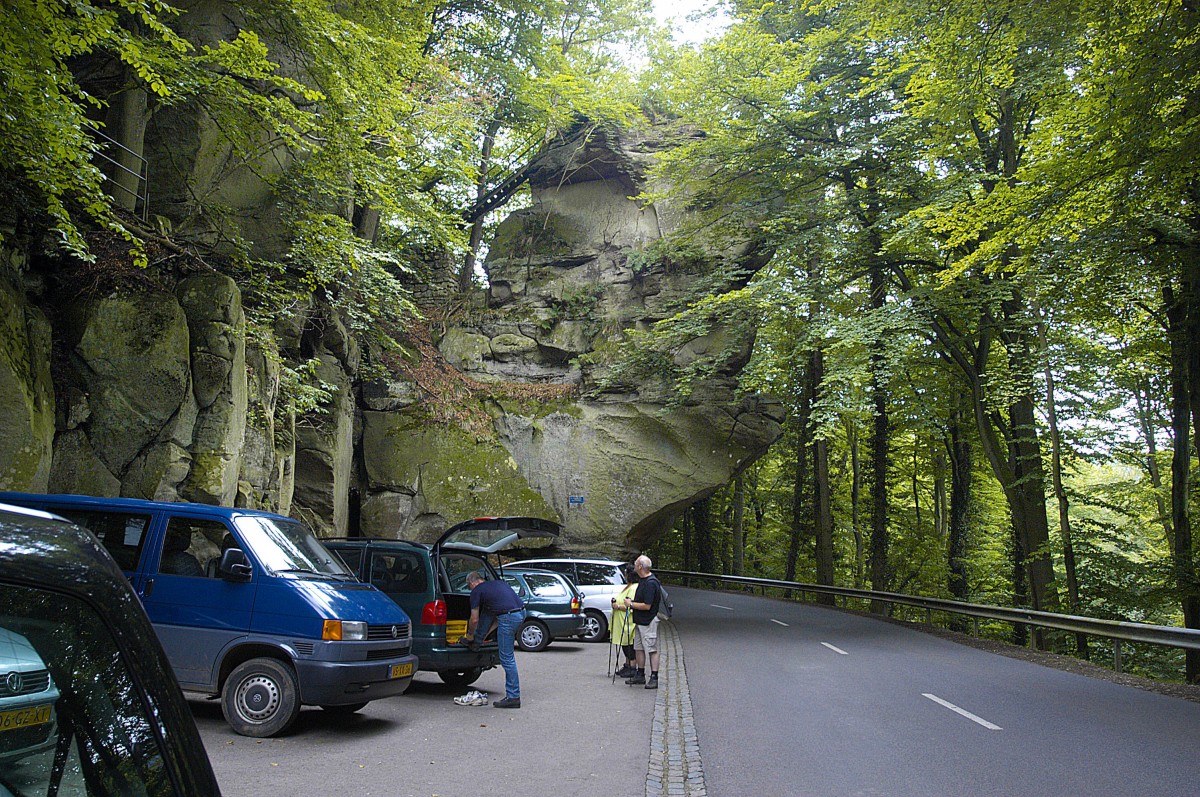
(148, 590)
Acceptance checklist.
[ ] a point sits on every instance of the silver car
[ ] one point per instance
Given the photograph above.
(598, 579)
(27, 697)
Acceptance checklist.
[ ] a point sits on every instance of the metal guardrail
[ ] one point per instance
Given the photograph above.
(1116, 630)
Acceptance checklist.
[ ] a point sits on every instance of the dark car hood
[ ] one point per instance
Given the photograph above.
(492, 534)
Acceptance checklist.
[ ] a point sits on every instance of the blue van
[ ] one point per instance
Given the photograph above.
(250, 606)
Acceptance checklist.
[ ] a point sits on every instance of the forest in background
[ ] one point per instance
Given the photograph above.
(983, 311)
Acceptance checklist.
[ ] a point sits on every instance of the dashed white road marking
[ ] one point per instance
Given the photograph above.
(779, 622)
(963, 712)
(835, 649)
(719, 606)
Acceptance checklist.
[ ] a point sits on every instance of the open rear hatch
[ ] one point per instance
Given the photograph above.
(488, 535)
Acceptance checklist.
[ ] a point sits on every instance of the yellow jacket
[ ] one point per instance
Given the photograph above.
(622, 621)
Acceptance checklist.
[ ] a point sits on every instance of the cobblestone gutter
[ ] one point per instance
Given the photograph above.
(675, 769)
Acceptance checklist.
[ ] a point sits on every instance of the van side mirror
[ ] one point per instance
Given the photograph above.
(234, 565)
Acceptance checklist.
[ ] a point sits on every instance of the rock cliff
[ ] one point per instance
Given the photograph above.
(153, 387)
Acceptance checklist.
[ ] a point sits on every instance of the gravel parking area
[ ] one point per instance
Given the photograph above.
(576, 733)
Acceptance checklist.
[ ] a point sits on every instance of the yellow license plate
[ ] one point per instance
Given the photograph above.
(24, 717)
(401, 670)
(454, 630)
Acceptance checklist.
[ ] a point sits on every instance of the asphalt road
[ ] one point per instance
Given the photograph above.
(576, 733)
(797, 700)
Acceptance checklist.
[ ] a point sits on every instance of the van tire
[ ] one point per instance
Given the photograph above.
(460, 678)
(261, 698)
(533, 636)
(596, 627)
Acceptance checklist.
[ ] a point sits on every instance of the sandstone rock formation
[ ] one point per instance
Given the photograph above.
(617, 466)
(158, 390)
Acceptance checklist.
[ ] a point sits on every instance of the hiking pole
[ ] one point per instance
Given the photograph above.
(624, 631)
(610, 667)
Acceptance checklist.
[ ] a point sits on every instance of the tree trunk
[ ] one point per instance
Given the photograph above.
(739, 528)
(1183, 556)
(961, 474)
(128, 114)
(880, 571)
(1145, 418)
(1064, 517)
(467, 275)
(856, 477)
(940, 515)
(688, 562)
(822, 491)
(800, 515)
(706, 561)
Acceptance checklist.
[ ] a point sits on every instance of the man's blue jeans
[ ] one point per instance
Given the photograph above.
(506, 635)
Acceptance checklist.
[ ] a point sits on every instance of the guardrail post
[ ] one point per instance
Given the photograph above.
(976, 624)
(1117, 655)
(929, 617)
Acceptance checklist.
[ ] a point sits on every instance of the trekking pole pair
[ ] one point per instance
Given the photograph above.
(618, 642)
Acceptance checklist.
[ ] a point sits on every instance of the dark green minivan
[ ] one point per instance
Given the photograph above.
(430, 583)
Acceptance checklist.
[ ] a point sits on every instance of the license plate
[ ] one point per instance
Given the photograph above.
(24, 717)
(401, 670)
(454, 630)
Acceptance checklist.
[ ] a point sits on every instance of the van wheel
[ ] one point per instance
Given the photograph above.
(595, 626)
(460, 678)
(345, 708)
(261, 698)
(533, 636)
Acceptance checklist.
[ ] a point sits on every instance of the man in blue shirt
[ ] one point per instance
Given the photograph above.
(497, 599)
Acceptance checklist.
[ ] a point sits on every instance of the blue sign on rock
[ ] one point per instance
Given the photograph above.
(575, 500)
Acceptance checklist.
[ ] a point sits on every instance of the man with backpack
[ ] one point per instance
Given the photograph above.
(645, 605)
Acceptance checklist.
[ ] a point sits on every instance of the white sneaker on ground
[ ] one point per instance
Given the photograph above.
(472, 698)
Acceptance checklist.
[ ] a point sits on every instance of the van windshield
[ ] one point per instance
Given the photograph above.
(284, 546)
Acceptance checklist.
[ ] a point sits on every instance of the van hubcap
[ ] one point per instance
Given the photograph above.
(258, 698)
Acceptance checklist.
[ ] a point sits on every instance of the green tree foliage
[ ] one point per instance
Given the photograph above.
(985, 171)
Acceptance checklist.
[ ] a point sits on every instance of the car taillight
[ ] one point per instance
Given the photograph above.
(434, 613)
(574, 605)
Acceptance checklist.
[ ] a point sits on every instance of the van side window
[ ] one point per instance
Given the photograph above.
(122, 533)
(598, 574)
(193, 546)
(351, 557)
(566, 568)
(399, 572)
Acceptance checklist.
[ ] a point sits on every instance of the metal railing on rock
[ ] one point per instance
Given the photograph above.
(1115, 630)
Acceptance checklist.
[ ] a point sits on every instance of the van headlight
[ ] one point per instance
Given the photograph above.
(344, 630)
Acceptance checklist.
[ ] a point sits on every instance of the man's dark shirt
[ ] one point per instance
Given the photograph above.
(647, 592)
(494, 597)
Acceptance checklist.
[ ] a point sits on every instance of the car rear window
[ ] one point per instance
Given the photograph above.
(545, 586)
(82, 725)
(457, 566)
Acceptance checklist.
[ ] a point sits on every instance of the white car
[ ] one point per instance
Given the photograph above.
(598, 579)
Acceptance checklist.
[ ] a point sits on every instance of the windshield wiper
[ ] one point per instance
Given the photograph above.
(307, 571)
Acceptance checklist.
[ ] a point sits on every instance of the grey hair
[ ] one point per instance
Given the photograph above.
(643, 562)
(475, 575)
